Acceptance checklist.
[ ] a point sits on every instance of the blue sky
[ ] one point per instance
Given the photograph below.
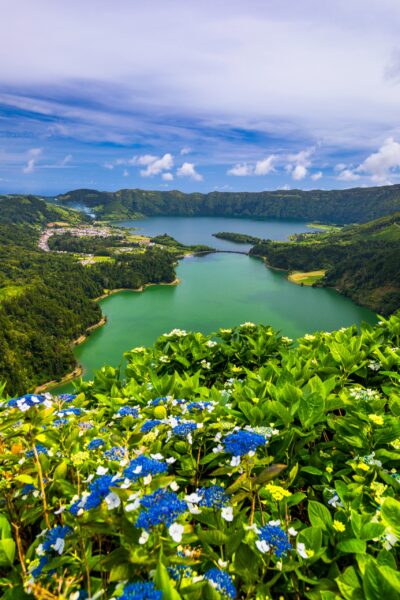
(199, 96)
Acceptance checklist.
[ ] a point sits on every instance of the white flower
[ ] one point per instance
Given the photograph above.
(227, 513)
(193, 509)
(390, 541)
(211, 344)
(262, 546)
(101, 470)
(274, 523)
(175, 531)
(170, 460)
(252, 528)
(59, 545)
(222, 563)
(147, 479)
(174, 486)
(301, 550)
(138, 469)
(60, 510)
(157, 456)
(144, 536)
(193, 498)
(112, 500)
(235, 461)
(218, 448)
(292, 531)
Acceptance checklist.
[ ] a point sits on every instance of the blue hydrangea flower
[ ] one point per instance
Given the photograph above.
(71, 410)
(273, 537)
(115, 453)
(67, 397)
(243, 442)
(126, 411)
(37, 571)
(141, 590)
(158, 401)
(85, 425)
(28, 489)
(39, 449)
(95, 443)
(160, 507)
(222, 582)
(213, 496)
(24, 403)
(60, 422)
(99, 488)
(182, 430)
(143, 466)
(53, 535)
(177, 572)
(198, 406)
(149, 425)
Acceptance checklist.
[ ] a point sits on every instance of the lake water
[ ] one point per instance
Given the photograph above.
(216, 290)
(199, 230)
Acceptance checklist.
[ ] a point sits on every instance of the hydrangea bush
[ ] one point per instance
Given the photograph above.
(239, 465)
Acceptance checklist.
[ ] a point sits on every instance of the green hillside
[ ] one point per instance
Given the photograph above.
(236, 466)
(361, 261)
(357, 205)
(16, 210)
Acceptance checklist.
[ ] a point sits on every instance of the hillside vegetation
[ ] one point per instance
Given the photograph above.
(356, 205)
(234, 466)
(46, 299)
(361, 261)
(16, 210)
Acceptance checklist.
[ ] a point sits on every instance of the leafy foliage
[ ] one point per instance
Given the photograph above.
(218, 467)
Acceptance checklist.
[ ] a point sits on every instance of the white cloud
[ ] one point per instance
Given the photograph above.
(316, 176)
(125, 173)
(348, 175)
(263, 167)
(33, 156)
(299, 172)
(298, 163)
(241, 170)
(156, 165)
(144, 160)
(185, 150)
(379, 165)
(188, 170)
(167, 176)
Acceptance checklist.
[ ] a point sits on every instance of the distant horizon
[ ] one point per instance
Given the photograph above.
(316, 189)
(206, 96)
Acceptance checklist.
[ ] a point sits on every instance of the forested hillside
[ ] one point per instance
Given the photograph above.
(362, 261)
(15, 210)
(46, 301)
(357, 205)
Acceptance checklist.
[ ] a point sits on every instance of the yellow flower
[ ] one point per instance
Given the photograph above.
(329, 470)
(277, 492)
(160, 412)
(377, 419)
(362, 466)
(236, 369)
(338, 526)
(80, 458)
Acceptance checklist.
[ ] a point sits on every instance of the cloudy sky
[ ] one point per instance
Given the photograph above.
(198, 94)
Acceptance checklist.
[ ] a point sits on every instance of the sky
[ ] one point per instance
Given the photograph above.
(198, 95)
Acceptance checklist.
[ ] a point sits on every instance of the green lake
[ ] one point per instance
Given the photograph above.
(216, 290)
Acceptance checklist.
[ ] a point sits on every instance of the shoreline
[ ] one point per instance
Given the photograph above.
(78, 370)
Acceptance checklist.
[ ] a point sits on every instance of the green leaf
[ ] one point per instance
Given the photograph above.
(369, 531)
(349, 585)
(7, 552)
(390, 514)
(380, 582)
(311, 410)
(212, 537)
(163, 583)
(352, 546)
(319, 515)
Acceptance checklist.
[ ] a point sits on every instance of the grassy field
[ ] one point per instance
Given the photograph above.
(308, 278)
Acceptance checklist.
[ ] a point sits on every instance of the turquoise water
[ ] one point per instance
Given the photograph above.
(216, 290)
